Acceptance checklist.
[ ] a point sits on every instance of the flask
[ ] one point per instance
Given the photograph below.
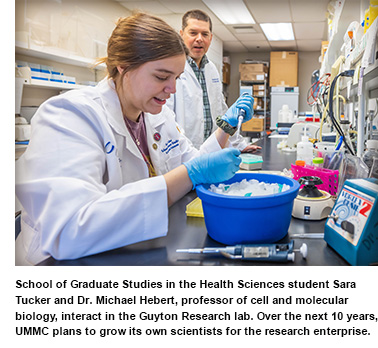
(305, 150)
(370, 153)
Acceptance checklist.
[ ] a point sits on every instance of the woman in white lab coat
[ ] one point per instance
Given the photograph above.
(104, 163)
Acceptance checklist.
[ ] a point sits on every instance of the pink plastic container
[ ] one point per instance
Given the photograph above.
(329, 177)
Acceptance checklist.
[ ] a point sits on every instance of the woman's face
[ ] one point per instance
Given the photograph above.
(148, 87)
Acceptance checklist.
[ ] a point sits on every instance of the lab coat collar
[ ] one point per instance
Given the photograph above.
(156, 120)
(194, 65)
(114, 113)
(113, 109)
(190, 71)
(112, 105)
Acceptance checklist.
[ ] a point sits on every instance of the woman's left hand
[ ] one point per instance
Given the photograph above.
(251, 148)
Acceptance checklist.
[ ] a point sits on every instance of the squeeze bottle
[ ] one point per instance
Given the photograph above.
(305, 150)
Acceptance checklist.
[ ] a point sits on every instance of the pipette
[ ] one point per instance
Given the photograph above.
(254, 252)
(308, 235)
(241, 116)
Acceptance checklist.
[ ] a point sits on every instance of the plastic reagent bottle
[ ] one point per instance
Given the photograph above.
(305, 150)
(370, 153)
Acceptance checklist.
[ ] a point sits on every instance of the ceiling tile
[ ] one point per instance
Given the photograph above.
(307, 16)
(283, 45)
(308, 10)
(182, 6)
(269, 11)
(309, 30)
(223, 33)
(309, 45)
(154, 7)
(262, 45)
(250, 37)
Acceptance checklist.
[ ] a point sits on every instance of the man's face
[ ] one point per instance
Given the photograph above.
(197, 37)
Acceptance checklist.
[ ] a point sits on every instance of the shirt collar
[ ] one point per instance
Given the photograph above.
(192, 63)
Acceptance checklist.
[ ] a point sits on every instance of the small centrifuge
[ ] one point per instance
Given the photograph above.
(312, 203)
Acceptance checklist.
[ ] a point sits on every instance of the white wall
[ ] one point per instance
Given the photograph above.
(80, 27)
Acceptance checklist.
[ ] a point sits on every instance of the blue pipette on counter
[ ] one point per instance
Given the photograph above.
(254, 252)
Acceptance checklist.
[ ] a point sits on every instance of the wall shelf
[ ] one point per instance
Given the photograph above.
(52, 85)
(55, 54)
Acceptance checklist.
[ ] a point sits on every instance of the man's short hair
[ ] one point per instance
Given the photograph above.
(196, 14)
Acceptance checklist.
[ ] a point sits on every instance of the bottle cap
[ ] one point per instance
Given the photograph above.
(318, 160)
(300, 163)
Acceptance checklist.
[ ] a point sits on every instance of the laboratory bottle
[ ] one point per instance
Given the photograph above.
(370, 153)
(285, 115)
(305, 150)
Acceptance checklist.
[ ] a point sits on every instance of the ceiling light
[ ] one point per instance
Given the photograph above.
(230, 12)
(278, 31)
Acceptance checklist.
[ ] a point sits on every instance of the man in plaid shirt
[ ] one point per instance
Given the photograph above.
(198, 100)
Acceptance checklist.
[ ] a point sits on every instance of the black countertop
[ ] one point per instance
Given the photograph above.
(190, 232)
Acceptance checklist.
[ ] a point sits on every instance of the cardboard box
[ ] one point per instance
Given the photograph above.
(253, 72)
(259, 93)
(254, 125)
(253, 77)
(258, 103)
(253, 68)
(258, 88)
(226, 73)
(283, 69)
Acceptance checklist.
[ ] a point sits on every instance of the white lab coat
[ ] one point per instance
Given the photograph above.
(83, 183)
(187, 104)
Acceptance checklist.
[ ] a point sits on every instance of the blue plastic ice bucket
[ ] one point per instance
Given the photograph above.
(256, 219)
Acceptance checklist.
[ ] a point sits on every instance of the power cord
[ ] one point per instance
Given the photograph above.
(348, 73)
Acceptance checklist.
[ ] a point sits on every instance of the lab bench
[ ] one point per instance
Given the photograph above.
(190, 232)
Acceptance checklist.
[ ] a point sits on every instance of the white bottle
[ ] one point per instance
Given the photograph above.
(305, 150)
(370, 153)
(285, 114)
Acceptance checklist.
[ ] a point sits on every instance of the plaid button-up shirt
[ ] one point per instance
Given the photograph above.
(200, 74)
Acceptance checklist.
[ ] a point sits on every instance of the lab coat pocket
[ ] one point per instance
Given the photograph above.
(173, 161)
